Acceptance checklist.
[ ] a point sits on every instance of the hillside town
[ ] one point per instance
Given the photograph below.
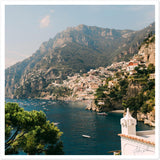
(84, 86)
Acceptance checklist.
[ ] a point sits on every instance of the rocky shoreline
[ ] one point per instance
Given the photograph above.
(91, 106)
(148, 119)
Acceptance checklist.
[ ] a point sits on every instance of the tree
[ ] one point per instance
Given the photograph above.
(151, 68)
(124, 85)
(30, 132)
(134, 104)
(148, 106)
(100, 92)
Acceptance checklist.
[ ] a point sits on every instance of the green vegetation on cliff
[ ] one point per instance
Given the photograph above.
(144, 101)
(108, 95)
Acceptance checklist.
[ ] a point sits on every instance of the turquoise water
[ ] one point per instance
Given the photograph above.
(74, 121)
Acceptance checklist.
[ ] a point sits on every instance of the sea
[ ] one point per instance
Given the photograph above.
(74, 121)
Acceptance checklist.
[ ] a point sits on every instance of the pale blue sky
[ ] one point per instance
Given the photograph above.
(28, 26)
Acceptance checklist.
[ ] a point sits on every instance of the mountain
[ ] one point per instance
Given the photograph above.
(75, 50)
(147, 50)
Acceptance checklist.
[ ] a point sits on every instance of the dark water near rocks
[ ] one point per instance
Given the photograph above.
(74, 121)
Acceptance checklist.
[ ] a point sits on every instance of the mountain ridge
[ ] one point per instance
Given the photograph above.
(77, 49)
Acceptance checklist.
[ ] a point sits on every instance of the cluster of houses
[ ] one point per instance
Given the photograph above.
(84, 86)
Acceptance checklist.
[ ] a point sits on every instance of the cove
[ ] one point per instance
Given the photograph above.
(74, 121)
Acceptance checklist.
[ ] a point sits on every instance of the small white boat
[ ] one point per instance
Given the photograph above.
(103, 113)
(56, 123)
(86, 136)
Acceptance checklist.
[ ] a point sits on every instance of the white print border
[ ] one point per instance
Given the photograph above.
(77, 2)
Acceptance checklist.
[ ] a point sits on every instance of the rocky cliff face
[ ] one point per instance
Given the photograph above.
(91, 106)
(133, 89)
(147, 50)
(75, 50)
(148, 118)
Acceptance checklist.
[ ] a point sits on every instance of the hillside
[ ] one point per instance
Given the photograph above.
(75, 50)
(132, 86)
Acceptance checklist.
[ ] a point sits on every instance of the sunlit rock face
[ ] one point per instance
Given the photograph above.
(75, 50)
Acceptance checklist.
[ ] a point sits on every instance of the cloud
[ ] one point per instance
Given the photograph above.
(51, 11)
(44, 22)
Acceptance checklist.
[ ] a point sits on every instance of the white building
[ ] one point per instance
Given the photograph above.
(135, 143)
(111, 84)
(131, 66)
(152, 76)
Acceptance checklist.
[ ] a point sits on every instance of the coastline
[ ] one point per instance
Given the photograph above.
(117, 111)
(92, 107)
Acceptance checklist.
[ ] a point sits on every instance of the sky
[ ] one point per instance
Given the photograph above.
(28, 26)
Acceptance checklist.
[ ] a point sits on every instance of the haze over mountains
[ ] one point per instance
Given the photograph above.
(75, 50)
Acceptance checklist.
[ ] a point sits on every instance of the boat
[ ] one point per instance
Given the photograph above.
(86, 136)
(56, 123)
(53, 102)
(103, 113)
